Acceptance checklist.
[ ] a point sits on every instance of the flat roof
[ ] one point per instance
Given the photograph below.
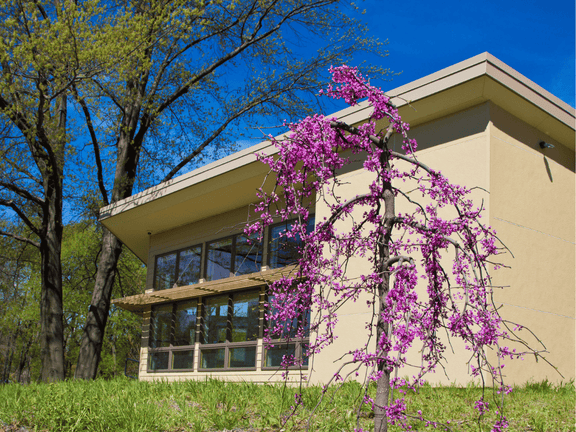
(187, 198)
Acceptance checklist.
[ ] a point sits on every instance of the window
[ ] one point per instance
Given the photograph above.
(227, 326)
(178, 268)
(230, 256)
(231, 327)
(283, 251)
(233, 256)
(172, 335)
(295, 349)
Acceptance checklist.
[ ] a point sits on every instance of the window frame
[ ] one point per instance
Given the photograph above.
(299, 342)
(177, 266)
(171, 347)
(228, 344)
(311, 217)
(199, 344)
(232, 270)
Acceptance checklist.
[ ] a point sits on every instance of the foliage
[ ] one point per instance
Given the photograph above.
(124, 405)
(19, 316)
(401, 247)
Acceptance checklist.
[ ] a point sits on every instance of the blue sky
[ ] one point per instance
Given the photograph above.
(534, 37)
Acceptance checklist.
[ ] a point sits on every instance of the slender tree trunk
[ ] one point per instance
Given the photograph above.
(23, 358)
(7, 360)
(51, 312)
(383, 328)
(91, 346)
(129, 147)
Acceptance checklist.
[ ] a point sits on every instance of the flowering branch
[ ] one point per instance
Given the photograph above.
(401, 248)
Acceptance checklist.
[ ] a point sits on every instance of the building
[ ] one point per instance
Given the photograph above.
(480, 122)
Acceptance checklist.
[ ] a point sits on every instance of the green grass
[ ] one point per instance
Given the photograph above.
(125, 405)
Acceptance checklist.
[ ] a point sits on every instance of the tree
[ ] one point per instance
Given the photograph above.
(401, 248)
(19, 315)
(45, 50)
(190, 72)
(20, 288)
(134, 92)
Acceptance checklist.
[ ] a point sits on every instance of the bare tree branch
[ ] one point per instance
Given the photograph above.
(20, 238)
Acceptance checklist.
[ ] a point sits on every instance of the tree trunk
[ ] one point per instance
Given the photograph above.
(23, 358)
(51, 313)
(129, 148)
(93, 335)
(7, 360)
(383, 328)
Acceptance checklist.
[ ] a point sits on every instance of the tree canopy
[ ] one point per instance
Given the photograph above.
(99, 99)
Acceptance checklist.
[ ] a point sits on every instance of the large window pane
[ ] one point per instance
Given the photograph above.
(245, 316)
(161, 326)
(159, 360)
(288, 328)
(165, 275)
(215, 319)
(276, 354)
(185, 323)
(189, 266)
(219, 259)
(248, 255)
(242, 357)
(183, 359)
(212, 358)
(284, 250)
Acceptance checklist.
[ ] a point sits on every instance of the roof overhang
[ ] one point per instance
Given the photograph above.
(189, 198)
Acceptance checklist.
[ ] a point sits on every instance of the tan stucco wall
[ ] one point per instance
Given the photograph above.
(533, 210)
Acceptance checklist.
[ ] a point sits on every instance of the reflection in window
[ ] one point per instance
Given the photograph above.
(242, 357)
(219, 259)
(245, 316)
(178, 268)
(215, 319)
(159, 360)
(185, 323)
(282, 250)
(231, 325)
(278, 329)
(173, 325)
(277, 353)
(161, 326)
(248, 258)
(235, 255)
(183, 359)
(165, 271)
(213, 358)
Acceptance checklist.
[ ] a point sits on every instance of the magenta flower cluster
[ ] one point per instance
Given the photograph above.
(413, 294)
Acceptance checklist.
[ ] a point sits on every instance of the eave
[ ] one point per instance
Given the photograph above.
(190, 197)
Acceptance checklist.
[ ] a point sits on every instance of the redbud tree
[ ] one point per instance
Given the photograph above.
(404, 250)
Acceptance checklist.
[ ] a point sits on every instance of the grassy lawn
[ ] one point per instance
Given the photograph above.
(125, 405)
